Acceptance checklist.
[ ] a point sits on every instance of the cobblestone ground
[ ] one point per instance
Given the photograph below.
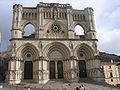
(54, 85)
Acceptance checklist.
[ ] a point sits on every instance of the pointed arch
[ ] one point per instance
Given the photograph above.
(84, 49)
(57, 46)
(79, 30)
(28, 48)
(82, 25)
(28, 22)
(29, 30)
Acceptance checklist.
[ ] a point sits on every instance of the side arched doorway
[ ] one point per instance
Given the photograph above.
(82, 66)
(28, 67)
(84, 54)
(28, 53)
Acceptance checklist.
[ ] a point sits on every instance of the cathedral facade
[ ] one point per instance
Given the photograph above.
(53, 51)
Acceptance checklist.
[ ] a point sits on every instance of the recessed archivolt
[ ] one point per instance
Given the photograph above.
(27, 48)
(56, 53)
(56, 46)
(84, 49)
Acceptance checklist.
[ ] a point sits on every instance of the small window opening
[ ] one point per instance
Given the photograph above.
(111, 75)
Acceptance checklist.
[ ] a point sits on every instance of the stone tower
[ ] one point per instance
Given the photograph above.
(53, 51)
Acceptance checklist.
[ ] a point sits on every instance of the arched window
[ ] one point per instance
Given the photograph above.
(79, 30)
(29, 31)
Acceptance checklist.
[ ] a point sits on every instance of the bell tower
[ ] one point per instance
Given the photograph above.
(16, 31)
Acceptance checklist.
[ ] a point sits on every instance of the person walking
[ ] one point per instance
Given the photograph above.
(77, 88)
(82, 87)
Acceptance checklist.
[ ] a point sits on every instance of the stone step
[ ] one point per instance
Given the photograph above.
(28, 81)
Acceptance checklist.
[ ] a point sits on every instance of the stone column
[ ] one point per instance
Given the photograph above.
(72, 70)
(56, 70)
(93, 70)
(42, 75)
(14, 73)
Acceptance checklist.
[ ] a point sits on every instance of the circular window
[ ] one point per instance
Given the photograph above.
(81, 55)
(55, 28)
(28, 55)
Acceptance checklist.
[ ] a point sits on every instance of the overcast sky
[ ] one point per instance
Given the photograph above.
(107, 20)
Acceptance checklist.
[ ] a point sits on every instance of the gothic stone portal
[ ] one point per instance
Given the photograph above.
(56, 73)
(52, 49)
(56, 63)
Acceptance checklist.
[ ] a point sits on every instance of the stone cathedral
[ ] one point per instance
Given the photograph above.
(53, 50)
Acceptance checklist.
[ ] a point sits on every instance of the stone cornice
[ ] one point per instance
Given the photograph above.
(55, 39)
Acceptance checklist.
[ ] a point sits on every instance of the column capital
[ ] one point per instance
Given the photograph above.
(13, 58)
(41, 58)
(73, 58)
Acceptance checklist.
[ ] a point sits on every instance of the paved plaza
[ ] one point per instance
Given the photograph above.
(57, 85)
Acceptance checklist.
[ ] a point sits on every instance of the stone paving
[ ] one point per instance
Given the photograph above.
(56, 85)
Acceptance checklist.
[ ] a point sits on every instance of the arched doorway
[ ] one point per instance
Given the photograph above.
(84, 53)
(57, 53)
(29, 53)
(28, 67)
(56, 65)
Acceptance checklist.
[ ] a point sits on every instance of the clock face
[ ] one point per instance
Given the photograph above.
(55, 28)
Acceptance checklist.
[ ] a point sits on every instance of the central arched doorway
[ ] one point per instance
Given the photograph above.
(57, 53)
(56, 65)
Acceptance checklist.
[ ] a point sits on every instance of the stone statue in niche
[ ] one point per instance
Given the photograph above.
(13, 49)
(40, 45)
(55, 13)
(71, 45)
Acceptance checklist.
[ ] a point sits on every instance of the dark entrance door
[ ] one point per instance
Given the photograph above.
(60, 69)
(52, 70)
(82, 69)
(28, 70)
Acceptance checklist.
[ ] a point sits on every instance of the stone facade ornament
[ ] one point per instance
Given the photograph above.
(55, 13)
(40, 45)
